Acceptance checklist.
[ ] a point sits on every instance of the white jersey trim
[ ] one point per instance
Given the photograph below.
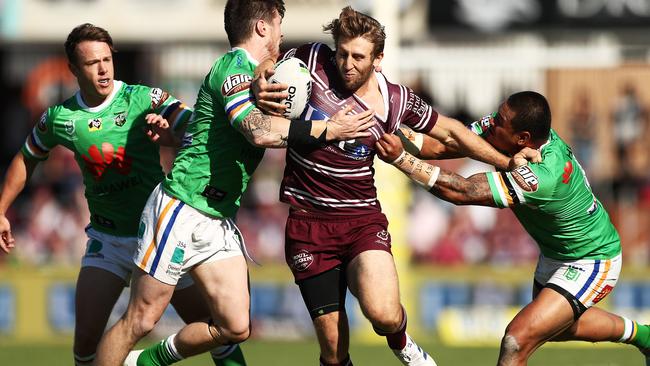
(328, 202)
(117, 85)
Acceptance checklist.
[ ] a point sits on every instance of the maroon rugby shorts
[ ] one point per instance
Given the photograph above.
(315, 244)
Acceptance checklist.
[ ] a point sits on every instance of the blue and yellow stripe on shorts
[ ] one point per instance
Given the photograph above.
(160, 247)
(584, 295)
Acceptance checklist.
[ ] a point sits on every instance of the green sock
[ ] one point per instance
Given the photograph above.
(642, 337)
(161, 354)
(228, 356)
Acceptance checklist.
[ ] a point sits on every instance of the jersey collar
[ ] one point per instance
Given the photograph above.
(117, 85)
(250, 57)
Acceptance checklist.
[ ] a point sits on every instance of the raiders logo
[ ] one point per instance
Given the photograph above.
(120, 119)
(234, 84)
(525, 178)
(42, 123)
(158, 97)
(94, 124)
(302, 260)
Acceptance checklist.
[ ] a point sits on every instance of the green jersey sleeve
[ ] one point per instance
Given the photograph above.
(231, 84)
(173, 110)
(529, 184)
(42, 138)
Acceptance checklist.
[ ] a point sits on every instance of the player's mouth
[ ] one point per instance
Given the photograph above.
(104, 83)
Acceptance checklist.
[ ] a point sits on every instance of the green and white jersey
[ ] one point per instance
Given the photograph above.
(216, 162)
(555, 204)
(120, 165)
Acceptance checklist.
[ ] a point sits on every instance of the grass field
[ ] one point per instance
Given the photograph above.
(264, 353)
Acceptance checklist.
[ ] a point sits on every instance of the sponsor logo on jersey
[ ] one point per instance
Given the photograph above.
(158, 97)
(235, 83)
(302, 260)
(525, 178)
(213, 193)
(568, 169)
(98, 161)
(119, 186)
(69, 127)
(120, 119)
(94, 124)
(42, 123)
(605, 291)
(355, 148)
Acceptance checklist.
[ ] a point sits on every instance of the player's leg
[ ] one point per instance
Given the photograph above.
(314, 246)
(545, 317)
(564, 291)
(191, 307)
(149, 298)
(96, 293)
(224, 284)
(372, 279)
(598, 325)
(105, 271)
(324, 297)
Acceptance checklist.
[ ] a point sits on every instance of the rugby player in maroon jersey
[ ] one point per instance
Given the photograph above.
(336, 235)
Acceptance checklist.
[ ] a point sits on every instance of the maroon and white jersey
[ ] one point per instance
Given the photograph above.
(338, 178)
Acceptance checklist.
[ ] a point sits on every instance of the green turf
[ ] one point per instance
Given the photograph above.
(306, 353)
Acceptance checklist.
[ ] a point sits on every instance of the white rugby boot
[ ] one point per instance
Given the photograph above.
(132, 358)
(413, 355)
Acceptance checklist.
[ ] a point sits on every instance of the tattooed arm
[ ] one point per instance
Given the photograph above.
(277, 132)
(449, 186)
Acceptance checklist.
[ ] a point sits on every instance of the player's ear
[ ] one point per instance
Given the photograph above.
(261, 28)
(523, 138)
(376, 63)
(73, 69)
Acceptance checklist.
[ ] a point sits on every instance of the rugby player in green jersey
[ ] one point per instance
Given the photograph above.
(110, 127)
(580, 258)
(188, 223)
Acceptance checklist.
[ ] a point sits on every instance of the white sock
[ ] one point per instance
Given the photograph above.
(629, 331)
(222, 352)
(171, 348)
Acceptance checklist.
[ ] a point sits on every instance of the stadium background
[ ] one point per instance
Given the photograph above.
(464, 271)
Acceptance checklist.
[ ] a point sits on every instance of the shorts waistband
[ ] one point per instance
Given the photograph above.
(322, 217)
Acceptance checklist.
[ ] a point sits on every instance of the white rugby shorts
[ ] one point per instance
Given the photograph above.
(174, 237)
(587, 280)
(115, 254)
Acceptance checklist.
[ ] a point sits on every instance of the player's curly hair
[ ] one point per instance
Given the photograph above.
(532, 114)
(352, 24)
(239, 17)
(85, 32)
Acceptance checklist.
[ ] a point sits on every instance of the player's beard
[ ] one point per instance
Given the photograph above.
(355, 83)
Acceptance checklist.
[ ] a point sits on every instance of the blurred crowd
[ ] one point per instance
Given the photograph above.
(50, 216)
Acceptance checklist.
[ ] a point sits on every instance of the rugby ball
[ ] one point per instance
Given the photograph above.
(293, 72)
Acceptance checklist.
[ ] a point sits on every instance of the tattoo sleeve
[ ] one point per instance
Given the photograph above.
(257, 129)
(449, 186)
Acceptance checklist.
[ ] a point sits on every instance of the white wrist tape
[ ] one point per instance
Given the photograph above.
(418, 140)
(401, 156)
(434, 177)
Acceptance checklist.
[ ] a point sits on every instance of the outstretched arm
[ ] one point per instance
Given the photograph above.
(17, 175)
(276, 132)
(459, 141)
(449, 186)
